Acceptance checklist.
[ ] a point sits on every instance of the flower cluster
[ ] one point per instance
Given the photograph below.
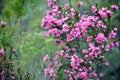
(84, 39)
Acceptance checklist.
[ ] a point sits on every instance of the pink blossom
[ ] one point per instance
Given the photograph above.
(93, 74)
(83, 75)
(55, 59)
(62, 43)
(47, 34)
(66, 6)
(89, 38)
(109, 12)
(3, 23)
(103, 13)
(75, 33)
(2, 52)
(94, 9)
(43, 23)
(50, 72)
(114, 7)
(72, 10)
(69, 38)
(72, 15)
(100, 23)
(66, 56)
(46, 58)
(55, 1)
(85, 51)
(60, 53)
(13, 78)
(57, 42)
(49, 3)
(112, 34)
(92, 55)
(115, 29)
(76, 61)
(100, 38)
(2, 74)
(80, 3)
(65, 28)
(116, 43)
(64, 19)
(106, 63)
(56, 32)
(55, 8)
(101, 74)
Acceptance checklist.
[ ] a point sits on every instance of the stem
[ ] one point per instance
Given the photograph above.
(70, 3)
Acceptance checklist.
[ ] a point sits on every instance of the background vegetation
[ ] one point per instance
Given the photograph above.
(24, 17)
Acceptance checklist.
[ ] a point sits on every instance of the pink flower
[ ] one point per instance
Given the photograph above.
(2, 52)
(3, 23)
(66, 6)
(112, 34)
(64, 19)
(47, 34)
(72, 15)
(101, 74)
(115, 29)
(2, 74)
(83, 75)
(76, 61)
(80, 3)
(115, 7)
(56, 32)
(60, 53)
(72, 10)
(100, 38)
(55, 1)
(75, 32)
(43, 23)
(46, 58)
(69, 38)
(103, 13)
(49, 3)
(55, 8)
(62, 43)
(66, 56)
(85, 51)
(93, 74)
(100, 23)
(116, 43)
(109, 12)
(65, 28)
(106, 63)
(94, 9)
(57, 42)
(89, 38)
(50, 72)
(13, 78)
(55, 59)
(92, 55)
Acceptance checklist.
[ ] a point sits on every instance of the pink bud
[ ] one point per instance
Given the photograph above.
(80, 3)
(3, 23)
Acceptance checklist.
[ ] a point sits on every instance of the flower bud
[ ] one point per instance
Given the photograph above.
(80, 3)
(3, 23)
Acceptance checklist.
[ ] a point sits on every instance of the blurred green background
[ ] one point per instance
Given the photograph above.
(24, 16)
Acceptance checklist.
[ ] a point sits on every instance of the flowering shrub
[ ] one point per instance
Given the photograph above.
(84, 40)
